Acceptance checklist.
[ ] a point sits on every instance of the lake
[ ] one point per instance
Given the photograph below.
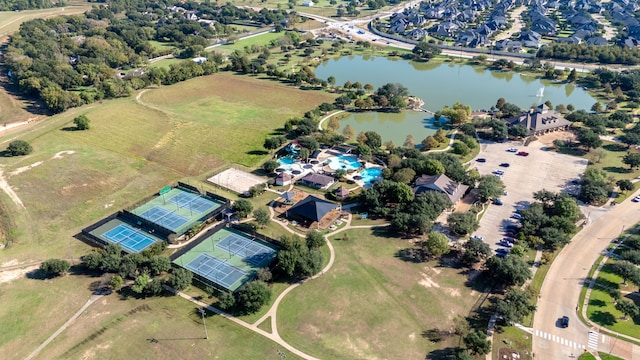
(439, 84)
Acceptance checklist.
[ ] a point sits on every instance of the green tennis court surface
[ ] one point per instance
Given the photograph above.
(177, 210)
(227, 258)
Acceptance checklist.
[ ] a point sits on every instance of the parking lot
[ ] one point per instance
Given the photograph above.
(541, 169)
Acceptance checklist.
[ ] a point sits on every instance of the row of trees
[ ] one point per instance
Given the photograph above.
(590, 53)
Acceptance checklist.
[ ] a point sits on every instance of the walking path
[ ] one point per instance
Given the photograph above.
(91, 300)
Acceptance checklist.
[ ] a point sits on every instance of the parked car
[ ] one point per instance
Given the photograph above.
(509, 234)
(505, 243)
(502, 255)
(477, 237)
(564, 321)
(523, 153)
(481, 160)
(509, 239)
(504, 164)
(503, 250)
(516, 216)
(512, 150)
(497, 201)
(498, 172)
(636, 199)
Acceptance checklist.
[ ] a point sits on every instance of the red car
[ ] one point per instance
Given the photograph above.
(523, 153)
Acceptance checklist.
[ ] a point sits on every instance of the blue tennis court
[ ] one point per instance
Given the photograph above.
(251, 251)
(164, 218)
(193, 202)
(129, 238)
(215, 270)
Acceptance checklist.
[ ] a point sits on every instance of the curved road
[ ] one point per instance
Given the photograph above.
(560, 291)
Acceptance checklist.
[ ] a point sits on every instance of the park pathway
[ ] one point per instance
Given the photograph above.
(62, 328)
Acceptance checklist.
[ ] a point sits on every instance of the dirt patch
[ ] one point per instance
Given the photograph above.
(427, 282)
(453, 292)
(4, 186)
(7, 276)
(548, 138)
(508, 354)
(58, 155)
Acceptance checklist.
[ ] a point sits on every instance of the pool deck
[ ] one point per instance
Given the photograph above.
(321, 168)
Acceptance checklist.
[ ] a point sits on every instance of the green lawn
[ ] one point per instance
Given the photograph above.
(259, 40)
(513, 339)
(166, 63)
(601, 309)
(372, 304)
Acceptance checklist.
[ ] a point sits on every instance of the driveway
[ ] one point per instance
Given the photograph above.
(525, 175)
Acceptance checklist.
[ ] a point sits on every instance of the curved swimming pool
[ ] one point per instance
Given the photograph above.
(344, 161)
(370, 175)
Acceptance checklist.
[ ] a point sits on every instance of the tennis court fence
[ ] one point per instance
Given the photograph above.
(159, 230)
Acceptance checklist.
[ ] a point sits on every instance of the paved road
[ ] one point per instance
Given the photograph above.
(561, 291)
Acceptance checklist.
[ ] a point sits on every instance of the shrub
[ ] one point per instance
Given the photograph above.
(19, 147)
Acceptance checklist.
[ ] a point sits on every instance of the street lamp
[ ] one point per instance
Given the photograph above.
(202, 312)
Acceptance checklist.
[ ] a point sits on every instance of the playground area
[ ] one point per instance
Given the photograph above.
(227, 258)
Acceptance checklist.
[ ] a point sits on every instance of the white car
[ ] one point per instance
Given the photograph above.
(516, 216)
(477, 237)
(636, 199)
(512, 150)
(498, 172)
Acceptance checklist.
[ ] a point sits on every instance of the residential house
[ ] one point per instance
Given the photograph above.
(597, 41)
(283, 179)
(441, 183)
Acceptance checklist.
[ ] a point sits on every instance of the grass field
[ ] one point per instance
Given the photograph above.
(514, 339)
(372, 304)
(261, 40)
(601, 309)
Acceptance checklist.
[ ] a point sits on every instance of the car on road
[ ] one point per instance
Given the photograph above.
(498, 172)
(522, 153)
(512, 150)
(481, 160)
(503, 250)
(636, 199)
(504, 164)
(564, 321)
(497, 201)
(516, 216)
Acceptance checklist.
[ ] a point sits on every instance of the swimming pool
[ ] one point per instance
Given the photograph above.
(346, 162)
(370, 175)
(289, 165)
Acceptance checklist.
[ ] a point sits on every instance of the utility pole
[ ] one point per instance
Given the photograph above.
(202, 312)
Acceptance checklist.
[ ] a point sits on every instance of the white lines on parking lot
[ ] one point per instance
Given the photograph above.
(593, 340)
(563, 341)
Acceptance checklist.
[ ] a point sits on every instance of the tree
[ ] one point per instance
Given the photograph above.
(566, 206)
(476, 341)
(518, 131)
(409, 143)
(626, 270)
(362, 138)
(490, 187)
(264, 274)
(430, 142)
(55, 267)
(92, 260)
(589, 139)
(269, 166)
(629, 309)
(348, 132)
(515, 306)
(314, 239)
(159, 264)
(334, 124)
(631, 159)
(111, 257)
(262, 216)
(437, 244)
(140, 283)
(597, 107)
(573, 76)
(226, 300)
(242, 208)
(404, 175)
(154, 287)
(508, 271)
(271, 143)
(82, 122)
(116, 282)
(476, 250)
(253, 295)
(373, 140)
(180, 279)
(460, 148)
(624, 185)
(18, 148)
(545, 196)
(462, 223)
(426, 50)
